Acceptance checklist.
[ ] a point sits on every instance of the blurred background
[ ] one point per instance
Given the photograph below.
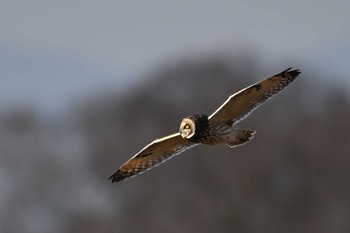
(87, 84)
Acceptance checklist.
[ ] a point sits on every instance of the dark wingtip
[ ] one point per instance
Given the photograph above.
(289, 72)
(111, 178)
(119, 176)
(115, 178)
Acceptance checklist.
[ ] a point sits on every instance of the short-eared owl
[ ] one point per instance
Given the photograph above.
(212, 130)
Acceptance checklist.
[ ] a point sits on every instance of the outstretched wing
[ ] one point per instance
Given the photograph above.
(152, 155)
(239, 105)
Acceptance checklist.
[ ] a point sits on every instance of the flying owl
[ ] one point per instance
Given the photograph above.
(213, 130)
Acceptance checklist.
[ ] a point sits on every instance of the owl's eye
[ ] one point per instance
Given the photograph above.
(187, 126)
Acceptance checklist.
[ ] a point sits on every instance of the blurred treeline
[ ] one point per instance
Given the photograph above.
(293, 177)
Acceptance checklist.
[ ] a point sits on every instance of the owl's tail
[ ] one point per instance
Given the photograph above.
(240, 137)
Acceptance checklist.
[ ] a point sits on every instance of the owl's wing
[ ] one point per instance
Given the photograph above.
(152, 155)
(241, 104)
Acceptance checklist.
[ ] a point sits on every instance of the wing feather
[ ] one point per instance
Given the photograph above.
(151, 156)
(239, 105)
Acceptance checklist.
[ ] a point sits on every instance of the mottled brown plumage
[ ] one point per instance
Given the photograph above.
(213, 130)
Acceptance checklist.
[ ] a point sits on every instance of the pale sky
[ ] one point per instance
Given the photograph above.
(51, 51)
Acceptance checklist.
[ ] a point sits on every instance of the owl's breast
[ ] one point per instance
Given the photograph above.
(213, 134)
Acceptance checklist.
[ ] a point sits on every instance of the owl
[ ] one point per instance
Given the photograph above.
(216, 129)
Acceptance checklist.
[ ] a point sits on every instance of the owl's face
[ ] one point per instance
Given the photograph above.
(192, 128)
(187, 128)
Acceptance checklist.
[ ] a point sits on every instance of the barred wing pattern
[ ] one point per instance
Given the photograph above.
(151, 156)
(239, 105)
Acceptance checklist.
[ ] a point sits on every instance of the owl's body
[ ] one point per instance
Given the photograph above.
(216, 129)
(212, 133)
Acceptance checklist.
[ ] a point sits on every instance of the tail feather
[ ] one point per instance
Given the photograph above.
(241, 137)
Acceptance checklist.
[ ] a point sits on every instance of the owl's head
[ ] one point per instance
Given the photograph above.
(192, 126)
